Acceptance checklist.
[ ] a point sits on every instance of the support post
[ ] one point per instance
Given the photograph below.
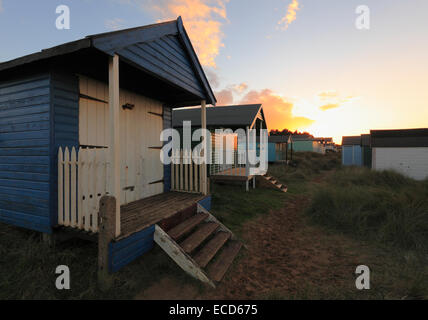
(205, 146)
(254, 182)
(114, 144)
(247, 151)
(106, 234)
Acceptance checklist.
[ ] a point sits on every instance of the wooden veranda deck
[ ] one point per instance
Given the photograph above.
(143, 213)
(237, 174)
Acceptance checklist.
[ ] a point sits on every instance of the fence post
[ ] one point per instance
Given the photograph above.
(106, 234)
(60, 188)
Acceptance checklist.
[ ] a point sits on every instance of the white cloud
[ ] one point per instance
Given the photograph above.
(114, 24)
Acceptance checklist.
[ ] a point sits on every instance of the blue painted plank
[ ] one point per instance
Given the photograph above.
(179, 57)
(24, 153)
(24, 208)
(35, 185)
(25, 111)
(29, 126)
(134, 237)
(127, 250)
(24, 159)
(176, 48)
(25, 94)
(131, 250)
(40, 203)
(206, 203)
(38, 134)
(24, 176)
(24, 168)
(149, 66)
(24, 103)
(37, 195)
(10, 87)
(111, 43)
(37, 151)
(24, 143)
(165, 65)
(117, 265)
(25, 220)
(169, 58)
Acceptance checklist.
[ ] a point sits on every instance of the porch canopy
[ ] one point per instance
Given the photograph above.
(157, 61)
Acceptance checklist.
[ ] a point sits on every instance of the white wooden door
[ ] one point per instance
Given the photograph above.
(140, 128)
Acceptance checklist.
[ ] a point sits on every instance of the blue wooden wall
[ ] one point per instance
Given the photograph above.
(24, 152)
(165, 57)
(352, 155)
(127, 250)
(65, 127)
(206, 203)
(271, 152)
(167, 123)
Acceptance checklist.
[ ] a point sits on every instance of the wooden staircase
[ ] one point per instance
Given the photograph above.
(199, 244)
(275, 183)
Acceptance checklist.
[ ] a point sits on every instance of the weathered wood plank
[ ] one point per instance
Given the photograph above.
(204, 256)
(200, 235)
(179, 256)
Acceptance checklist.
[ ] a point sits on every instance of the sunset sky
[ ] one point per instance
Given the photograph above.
(305, 60)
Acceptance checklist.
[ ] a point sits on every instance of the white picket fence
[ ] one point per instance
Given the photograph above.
(186, 176)
(82, 181)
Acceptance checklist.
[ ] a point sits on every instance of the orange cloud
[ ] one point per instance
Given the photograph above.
(203, 20)
(240, 88)
(278, 111)
(332, 100)
(329, 106)
(224, 97)
(327, 94)
(290, 16)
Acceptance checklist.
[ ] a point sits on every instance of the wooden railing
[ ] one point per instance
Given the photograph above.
(82, 181)
(186, 176)
(238, 166)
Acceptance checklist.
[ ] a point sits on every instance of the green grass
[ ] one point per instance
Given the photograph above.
(304, 167)
(386, 212)
(28, 269)
(385, 207)
(233, 206)
(28, 264)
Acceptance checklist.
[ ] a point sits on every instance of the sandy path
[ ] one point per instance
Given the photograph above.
(286, 258)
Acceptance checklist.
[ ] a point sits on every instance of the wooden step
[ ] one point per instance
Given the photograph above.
(279, 186)
(207, 252)
(273, 181)
(268, 177)
(187, 225)
(217, 269)
(197, 237)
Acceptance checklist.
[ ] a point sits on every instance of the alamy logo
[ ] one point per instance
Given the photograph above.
(363, 280)
(363, 20)
(63, 280)
(221, 147)
(63, 20)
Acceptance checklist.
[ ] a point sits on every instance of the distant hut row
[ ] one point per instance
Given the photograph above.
(404, 151)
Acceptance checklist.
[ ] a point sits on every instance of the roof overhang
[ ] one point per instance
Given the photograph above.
(112, 43)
